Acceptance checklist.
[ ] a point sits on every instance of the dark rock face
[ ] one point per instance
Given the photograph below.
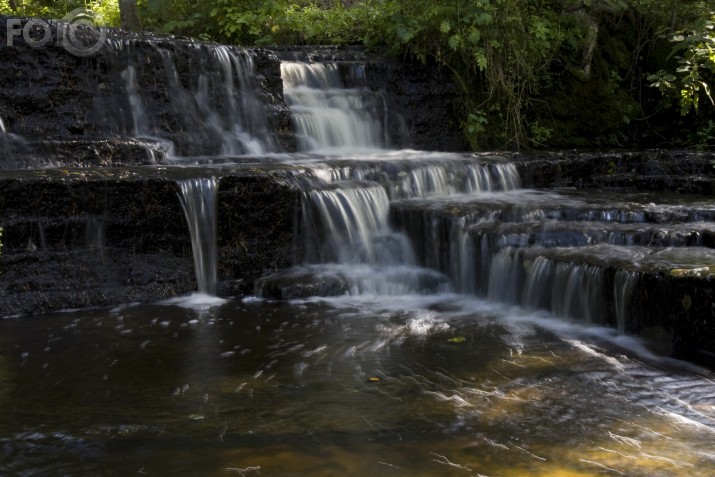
(427, 100)
(88, 238)
(655, 170)
(257, 216)
(142, 85)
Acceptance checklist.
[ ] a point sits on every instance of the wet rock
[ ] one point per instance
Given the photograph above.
(44, 281)
(49, 93)
(290, 286)
(77, 238)
(653, 170)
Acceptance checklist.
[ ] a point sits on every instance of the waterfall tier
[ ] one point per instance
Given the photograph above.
(330, 115)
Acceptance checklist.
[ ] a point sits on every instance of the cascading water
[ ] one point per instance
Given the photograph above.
(211, 109)
(327, 115)
(198, 201)
(356, 227)
(245, 131)
(139, 116)
(623, 286)
(566, 289)
(554, 251)
(347, 206)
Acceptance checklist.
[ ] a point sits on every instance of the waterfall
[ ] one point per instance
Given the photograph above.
(355, 228)
(504, 276)
(624, 284)
(211, 108)
(198, 201)
(347, 208)
(448, 179)
(327, 115)
(140, 120)
(566, 289)
(406, 177)
(246, 130)
(2, 126)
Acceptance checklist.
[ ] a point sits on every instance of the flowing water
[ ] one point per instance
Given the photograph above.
(213, 109)
(410, 385)
(439, 319)
(198, 201)
(327, 115)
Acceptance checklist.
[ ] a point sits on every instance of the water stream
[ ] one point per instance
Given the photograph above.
(440, 319)
(328, 115)
(198, 201)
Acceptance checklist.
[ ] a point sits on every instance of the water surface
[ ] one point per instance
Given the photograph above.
(411, 385)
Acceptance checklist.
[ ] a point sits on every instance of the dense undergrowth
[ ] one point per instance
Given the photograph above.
(534, 73)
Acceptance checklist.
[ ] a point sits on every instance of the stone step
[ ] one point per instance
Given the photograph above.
(80, 226)
(526, 205)
(657, 170)
(665, 295)
(577, 234)
(687, 184)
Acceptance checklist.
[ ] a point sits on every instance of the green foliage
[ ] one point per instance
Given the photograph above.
(281, 22)
(106, 11)
(690, 82)
(499, 52)
(539, 134)
(179, 17)
(705, 135)
(474, 127)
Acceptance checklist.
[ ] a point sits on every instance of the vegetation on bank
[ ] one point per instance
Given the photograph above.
(534, 73)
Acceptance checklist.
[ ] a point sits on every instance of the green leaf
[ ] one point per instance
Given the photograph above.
(445, 27)
(474, 36)
(405, 34)
(481, 59)
(455, 42)
(484, 19)
(457, 339)
(169, 26)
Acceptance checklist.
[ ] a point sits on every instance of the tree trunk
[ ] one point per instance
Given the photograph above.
(129, 15)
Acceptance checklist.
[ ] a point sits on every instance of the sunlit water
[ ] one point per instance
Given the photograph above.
(413, 385)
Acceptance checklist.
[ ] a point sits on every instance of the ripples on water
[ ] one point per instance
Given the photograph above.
(412, 385)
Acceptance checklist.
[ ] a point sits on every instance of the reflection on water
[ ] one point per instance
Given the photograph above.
(415, 385)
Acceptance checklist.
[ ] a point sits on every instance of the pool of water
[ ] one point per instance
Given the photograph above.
(412, 385)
